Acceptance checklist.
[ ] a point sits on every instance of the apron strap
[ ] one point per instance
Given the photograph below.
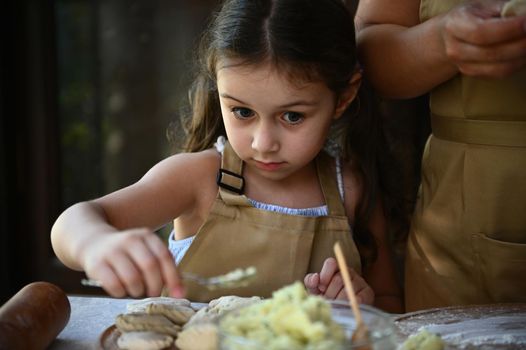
(329, 185)
(231, 182)
(230, 179)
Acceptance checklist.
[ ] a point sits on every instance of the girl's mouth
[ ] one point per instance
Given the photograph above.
(269, 166)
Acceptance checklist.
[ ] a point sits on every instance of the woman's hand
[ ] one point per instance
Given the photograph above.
(133, 262)
(329, 283)
(480, 43)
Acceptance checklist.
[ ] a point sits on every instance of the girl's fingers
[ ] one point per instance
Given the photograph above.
(335, 287)
(364, 293)
(168, 270)
(342, 295)
(137, 263)
(365, 296)
(129, 275)
(145, 258)
(311, 282)
(329, 268)
(110, 281)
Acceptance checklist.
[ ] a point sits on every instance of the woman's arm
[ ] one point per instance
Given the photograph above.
(401, 57)
(404, 58)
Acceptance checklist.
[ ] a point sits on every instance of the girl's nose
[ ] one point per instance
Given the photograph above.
(265, 138)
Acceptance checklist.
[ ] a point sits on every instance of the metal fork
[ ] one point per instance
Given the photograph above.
(236, 278)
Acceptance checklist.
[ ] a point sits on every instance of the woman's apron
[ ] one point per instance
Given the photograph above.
(468, 239)
(283, 248)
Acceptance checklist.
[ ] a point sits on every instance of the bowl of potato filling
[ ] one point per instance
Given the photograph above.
(292, 319)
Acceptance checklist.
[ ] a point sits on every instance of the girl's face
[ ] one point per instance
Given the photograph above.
(276, 126)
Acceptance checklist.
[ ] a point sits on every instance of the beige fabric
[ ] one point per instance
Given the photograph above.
(468, 239)
(282, 247)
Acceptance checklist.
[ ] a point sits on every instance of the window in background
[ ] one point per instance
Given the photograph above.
(122, 73)
(122, 69)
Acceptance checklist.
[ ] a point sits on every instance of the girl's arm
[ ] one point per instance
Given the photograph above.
(127, 262)
(404, 58)
(378, 283)
(112, 238)
(381, 274)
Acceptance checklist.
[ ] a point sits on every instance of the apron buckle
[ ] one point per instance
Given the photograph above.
(230, 181)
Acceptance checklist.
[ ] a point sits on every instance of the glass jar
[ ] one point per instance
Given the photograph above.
(381, 328)
(381, 325)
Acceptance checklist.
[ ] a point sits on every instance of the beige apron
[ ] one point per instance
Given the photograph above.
(468, 239)
(283, 248)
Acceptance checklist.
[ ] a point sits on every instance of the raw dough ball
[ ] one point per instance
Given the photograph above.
(201, 336)
(514, 8)
(423, 340)
(144, 341)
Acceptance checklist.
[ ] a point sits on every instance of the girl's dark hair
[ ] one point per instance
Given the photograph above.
(313, 40)
(308, 39)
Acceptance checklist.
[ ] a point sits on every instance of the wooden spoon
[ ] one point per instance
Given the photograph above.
(361, 333)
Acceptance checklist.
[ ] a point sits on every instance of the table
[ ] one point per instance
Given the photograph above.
(497, 326)
(481, 327)
(90, 316)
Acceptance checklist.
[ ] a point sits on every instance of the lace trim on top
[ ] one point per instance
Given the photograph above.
(322, 210)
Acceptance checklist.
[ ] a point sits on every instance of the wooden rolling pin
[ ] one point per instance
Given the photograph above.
(33, 317)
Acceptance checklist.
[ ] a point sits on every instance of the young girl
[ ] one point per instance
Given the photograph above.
(275, 76)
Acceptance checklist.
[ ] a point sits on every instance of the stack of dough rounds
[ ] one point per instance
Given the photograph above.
(139, 321)
(514, 8)
(178, 311)
(144, 341)
(152, 323)
(200, 332)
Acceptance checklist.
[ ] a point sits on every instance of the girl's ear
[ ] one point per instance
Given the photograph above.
(348, 95)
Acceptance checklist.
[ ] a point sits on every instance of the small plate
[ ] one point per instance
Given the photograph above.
(108, 338)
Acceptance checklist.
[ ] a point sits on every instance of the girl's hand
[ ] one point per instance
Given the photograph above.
(329, 283)
(133, 262)
(481, 43)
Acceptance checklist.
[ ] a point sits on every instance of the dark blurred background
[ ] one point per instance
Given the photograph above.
(87, 91)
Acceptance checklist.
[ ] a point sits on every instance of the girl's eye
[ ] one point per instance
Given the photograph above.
(242, 113)
(293, 117)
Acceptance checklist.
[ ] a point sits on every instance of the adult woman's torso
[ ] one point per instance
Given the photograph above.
(468, 239)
